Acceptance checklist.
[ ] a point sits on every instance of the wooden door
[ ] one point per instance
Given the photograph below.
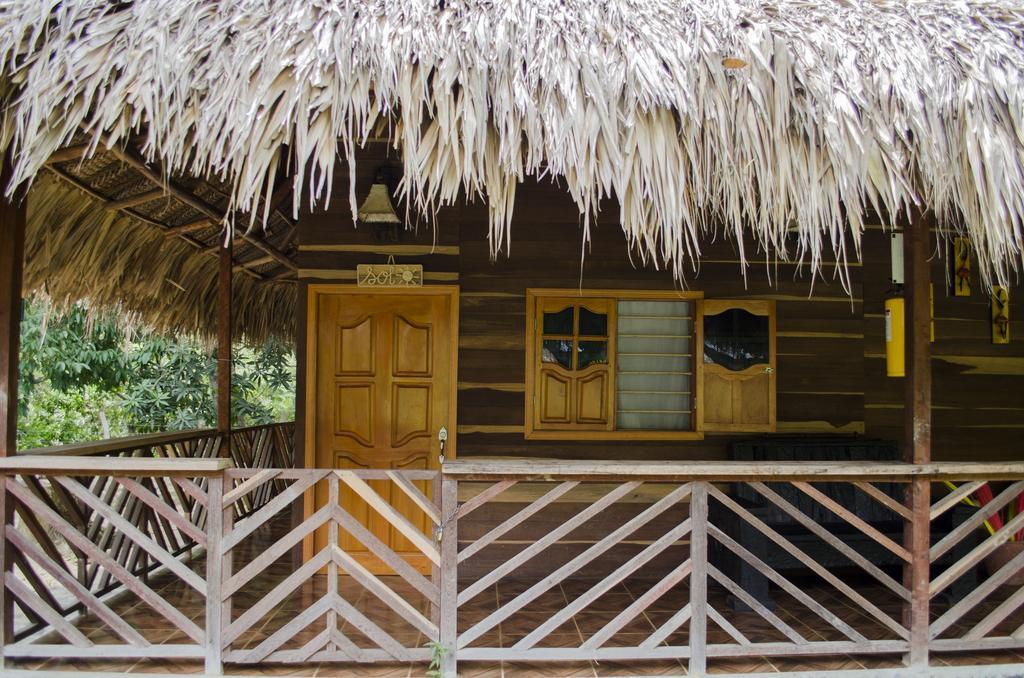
(383, 392)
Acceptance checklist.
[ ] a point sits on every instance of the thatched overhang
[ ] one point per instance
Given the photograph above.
(771, 117)
(108, 231)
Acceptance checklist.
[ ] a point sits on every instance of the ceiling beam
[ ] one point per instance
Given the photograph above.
(140, 199)
(254, 262)
(190, 199)
(67, 153)
(209, 211)
(274, 253)
(283, 190)
(190, 227)
(136, 162)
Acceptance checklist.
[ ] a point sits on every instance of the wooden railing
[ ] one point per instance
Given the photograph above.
(336, 541)
(138, 502)
(698, 562)
(262, 447)
(685, 531)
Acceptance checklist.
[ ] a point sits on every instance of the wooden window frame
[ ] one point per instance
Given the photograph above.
(614, 295)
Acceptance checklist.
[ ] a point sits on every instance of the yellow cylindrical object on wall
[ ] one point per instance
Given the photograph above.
(895, 359)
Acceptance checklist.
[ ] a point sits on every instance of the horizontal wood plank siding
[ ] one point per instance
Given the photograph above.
(831, 356)
(978, 387)
(817, 392)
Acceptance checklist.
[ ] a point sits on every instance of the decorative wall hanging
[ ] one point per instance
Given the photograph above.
(1000, 315)
(961, 261)
(389, 275)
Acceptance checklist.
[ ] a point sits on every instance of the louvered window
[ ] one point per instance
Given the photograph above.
(647, 365)
(654, 370)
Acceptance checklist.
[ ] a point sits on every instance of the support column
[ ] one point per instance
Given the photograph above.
(299, 445)
(12, 256)
(224, 276)
(698, 664)
(918, 382)
(218, 611)
(917, 410)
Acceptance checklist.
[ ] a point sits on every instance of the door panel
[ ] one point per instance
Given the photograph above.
(383, 391)
(353, 412)
(411, 349)
(355, 348)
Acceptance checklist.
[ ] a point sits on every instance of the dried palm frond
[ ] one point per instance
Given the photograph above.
(765, 115)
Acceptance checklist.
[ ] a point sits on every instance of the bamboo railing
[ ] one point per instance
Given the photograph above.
(553, 539)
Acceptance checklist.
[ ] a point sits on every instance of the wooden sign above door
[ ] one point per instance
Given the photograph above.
(389, 275)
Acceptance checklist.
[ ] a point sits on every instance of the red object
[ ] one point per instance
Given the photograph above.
(984, 494)
(1020, 509)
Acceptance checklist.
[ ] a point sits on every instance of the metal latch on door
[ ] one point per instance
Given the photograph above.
(442, 438)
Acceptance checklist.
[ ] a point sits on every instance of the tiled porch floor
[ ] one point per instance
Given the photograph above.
(157, 630)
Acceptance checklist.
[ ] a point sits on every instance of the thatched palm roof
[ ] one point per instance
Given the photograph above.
(771, 116)
(104, 231)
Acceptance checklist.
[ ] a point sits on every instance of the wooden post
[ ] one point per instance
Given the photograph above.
(12, 258)
(214, 576)
(224, 348)
(215, 606)
(448, 635)
(698, 665)
(6, 605)
(918, 384)
(226, 566)
(917, 448)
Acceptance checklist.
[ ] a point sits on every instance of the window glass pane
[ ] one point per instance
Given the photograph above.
(736, 339)
(593, 324)
(558, 351)
(593, 353)
(653, 401)
(559, 322)
(649, 326)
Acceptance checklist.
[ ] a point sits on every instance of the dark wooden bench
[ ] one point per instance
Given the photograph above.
(822, 448)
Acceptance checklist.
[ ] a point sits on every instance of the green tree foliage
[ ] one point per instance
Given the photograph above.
(76, 414)
(70, 350)
(88, 376)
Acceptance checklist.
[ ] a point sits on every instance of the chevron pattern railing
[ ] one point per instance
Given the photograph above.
(998, 516)
(80, 533)
(508, 561)
(711, 563)
(395, 499)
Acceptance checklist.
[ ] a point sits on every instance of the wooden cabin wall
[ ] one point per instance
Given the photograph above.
(831, 367)
(817, 392)
(978, 386)
(331, 245)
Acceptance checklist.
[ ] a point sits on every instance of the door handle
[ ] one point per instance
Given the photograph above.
(442, 438)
